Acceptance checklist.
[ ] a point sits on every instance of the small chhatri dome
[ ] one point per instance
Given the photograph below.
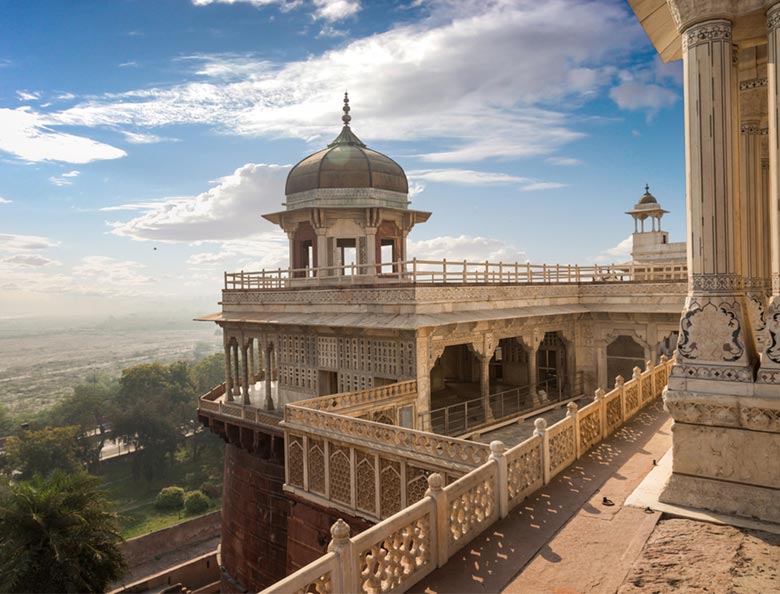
(647, 199)
(346, 163)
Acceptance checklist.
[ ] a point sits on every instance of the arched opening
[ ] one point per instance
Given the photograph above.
(304, 249)
(388, 246)
(552, 367)
(455, 391)
(623, 354)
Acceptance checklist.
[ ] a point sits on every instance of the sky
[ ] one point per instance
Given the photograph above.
(140, 141)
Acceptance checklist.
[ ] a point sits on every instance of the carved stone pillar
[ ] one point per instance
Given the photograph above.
(236, 374)
(245, 375)
(370, 252)
(715, 342)
(252, 368)
(484, 386)
(269, 401)
(770, 363)
(228, 378)
(720, 424)
(322, 250)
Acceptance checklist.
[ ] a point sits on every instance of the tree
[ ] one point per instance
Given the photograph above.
(87, 409)
(6, 422)
(42, 452)
(209, 372)
(155, 411)
(56, 536)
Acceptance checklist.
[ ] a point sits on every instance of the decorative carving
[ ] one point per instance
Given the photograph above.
(714, 372)
(716, 282)
(614, 414)
(631, 395)
(773, 18)
(470, 510)
(763, 419)
(711, 333)
(366, 485)
(562, 447)
(707, 33)
(340, 474)
(387, 564)
(754, 83)
(590, 428)
(295, 460)
(772, 326)
(753, 129)
(390, 487)
(322, 585)
(316, 466)
(702, 413)
(416, 483)
(524, 470)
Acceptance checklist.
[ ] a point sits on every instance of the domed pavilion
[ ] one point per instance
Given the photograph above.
(347, 210)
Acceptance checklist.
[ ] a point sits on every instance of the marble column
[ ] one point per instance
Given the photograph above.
(245, 373)
(370, 252)
(236, 374)
(715, 343)
(228, 378)
(269, 401)
(484, 385)
(322, 251)
(770, 363)
(252, 368)
(533, 372)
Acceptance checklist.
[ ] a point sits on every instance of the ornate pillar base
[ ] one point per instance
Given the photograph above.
(726, 449)
(769, 374)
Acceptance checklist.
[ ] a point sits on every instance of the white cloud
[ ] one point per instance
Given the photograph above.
(328, 10)
(617, 254)
(532, 187)
(139, 138)
(466, 247)
(5, 200)
(472, 177)
(465, 176)
(10, 242)
(66, 179)
(564, 161)
(26, 135)
(268, 250)
(30, 260)
(232, 209)
(650, 88)
(111, 271)
(336, 10)
(130, 64)
(434, 82)
(28, 96)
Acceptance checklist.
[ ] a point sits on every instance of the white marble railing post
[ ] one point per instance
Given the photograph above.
(571, 413)
(440, 533)
(345, 576)
(620, 386)
(497, 454)
(599, 397)
(540, 430)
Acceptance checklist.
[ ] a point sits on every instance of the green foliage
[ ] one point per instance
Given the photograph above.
(195, 502)
(56, 535)
(211, 490)
(155, 410)
(209, 372)
(44, 451)
(170, 498)
(87, 408)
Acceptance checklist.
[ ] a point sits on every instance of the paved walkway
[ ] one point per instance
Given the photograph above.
(562, 539)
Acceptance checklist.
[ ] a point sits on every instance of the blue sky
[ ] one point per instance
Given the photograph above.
(141, 141)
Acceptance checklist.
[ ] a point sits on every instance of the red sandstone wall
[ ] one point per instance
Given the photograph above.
(308, 532)
(254, 521)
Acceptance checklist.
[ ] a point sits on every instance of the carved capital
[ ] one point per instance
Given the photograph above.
(773, 18)
(707, 32)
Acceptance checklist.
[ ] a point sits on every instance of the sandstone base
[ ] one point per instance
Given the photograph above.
(723, 497)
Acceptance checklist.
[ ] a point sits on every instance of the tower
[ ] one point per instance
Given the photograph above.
(652, 245)
(347, 210)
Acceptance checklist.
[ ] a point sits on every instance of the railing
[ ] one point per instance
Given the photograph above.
(213, 402)
(462, 417)
(397, 553)
(347, 401)
(448, 272)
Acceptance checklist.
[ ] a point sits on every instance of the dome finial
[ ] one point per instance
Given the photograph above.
(346, 118)
(647, 188)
